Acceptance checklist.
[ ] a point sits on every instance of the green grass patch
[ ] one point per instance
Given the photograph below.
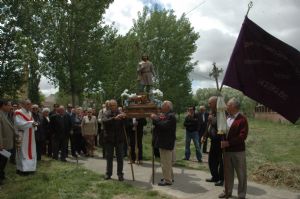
(57, 180)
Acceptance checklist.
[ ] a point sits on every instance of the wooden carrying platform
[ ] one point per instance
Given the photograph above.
(141, 110)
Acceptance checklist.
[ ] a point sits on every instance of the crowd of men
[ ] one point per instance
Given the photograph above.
(28, 132)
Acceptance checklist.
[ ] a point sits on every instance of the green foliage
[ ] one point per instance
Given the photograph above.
(170, 42)
(62, 98)
(10, 58)
(21, 47)
(247, 105)
(73, 30)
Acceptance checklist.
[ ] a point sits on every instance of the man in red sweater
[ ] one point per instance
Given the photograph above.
(234, 145)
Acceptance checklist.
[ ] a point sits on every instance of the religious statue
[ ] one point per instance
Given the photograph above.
(145, 71)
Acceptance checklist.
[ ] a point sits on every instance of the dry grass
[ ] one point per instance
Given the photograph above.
(278, 175)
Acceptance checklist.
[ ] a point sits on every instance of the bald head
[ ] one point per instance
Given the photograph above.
(202, 109)
(61, 110)
(212, 103)
(26, 104)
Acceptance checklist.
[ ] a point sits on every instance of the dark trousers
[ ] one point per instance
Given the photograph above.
(204, 149)
(48, 145)
(39, 149)
(215, 161)
(60, 144)
(109, 150)
(139, 141)
(3, 161)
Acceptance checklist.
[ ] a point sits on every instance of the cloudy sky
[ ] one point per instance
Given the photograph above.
(218, 23)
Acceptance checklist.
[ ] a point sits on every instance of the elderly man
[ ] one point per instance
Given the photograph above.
(60, 125)
(165, 130)
(39, 136)
(26, 146)
(215, 160)
(45, 130)
(235, 149)
(6, 135)
(113, 121)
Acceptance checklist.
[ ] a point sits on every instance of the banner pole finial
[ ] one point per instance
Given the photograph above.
(249, 7)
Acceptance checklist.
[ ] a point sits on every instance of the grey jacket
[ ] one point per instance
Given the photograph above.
(7, 132)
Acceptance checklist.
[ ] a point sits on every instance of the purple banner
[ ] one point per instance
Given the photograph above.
(266, 70)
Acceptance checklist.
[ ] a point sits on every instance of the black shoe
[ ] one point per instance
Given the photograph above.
(64, 160)
(219, 183)
(1, 182)
(163, 180)
(164, 184)
(186, 159)
(200, 161)
(121, 178)
(107, 177)
(210, 180)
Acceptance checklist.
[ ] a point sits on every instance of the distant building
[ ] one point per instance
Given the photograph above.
(264, 113)
(49, 101)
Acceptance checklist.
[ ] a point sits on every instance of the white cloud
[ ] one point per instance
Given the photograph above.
(122, 12)
(46, 87)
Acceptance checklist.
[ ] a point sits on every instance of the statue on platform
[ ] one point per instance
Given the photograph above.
(145, 71)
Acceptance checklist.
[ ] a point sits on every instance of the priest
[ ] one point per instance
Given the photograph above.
(26, 146)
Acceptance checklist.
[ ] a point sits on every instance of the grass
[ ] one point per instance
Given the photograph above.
(268, 143)
(57, 180)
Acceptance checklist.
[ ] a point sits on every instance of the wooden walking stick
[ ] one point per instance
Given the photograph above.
(153, 158)
(136, 149)
(129, 155)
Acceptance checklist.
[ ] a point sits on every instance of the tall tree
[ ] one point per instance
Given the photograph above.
(23, 28)
(170, 42)
(69, 34)
(11, 63)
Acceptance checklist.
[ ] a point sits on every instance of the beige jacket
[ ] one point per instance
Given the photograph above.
(7, 132)
(89, 127)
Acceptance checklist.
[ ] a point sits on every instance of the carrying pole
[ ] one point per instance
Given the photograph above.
(129, 155)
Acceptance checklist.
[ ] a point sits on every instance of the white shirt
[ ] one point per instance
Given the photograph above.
(231, 119)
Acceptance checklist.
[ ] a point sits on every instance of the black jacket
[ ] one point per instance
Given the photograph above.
(165, 131)
(45, 128)
(191, 123)
(39, 135)
(202, 123)
(60, 125)
(113, 129)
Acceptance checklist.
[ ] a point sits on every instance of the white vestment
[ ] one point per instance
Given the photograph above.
(26, 153)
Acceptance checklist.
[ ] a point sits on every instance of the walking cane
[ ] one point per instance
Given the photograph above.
(129, 155)
(136, 149)
(153, 172)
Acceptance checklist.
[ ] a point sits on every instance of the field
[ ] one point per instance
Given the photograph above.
(272, 153)
(272, 158)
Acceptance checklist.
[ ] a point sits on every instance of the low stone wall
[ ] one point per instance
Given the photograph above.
(271, 116)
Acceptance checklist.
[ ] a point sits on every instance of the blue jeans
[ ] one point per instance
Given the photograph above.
(195, 137)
